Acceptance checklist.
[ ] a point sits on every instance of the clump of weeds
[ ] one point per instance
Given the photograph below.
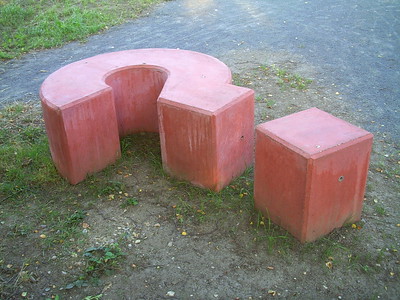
(100, 261)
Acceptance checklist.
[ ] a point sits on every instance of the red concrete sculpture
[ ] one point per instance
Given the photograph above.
(310, 172)
(206, 124)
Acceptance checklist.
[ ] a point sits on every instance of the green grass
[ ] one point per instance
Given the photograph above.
(286, 79)
(31, 24)
(25, 161)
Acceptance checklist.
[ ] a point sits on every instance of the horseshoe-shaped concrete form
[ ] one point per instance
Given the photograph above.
(205, 123)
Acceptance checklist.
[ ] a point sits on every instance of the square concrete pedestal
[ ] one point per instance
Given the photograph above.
(310, 172)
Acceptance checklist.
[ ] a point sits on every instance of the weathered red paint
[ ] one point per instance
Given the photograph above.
(310, 172)
(205, 123)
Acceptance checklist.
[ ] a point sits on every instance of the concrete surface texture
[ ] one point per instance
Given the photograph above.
(356, 45)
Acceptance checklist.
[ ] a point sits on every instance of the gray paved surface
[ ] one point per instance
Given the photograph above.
(354, 43)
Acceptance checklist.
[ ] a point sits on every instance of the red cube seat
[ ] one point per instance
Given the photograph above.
(310, 172)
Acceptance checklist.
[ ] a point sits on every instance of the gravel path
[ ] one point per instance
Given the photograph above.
(354, 44)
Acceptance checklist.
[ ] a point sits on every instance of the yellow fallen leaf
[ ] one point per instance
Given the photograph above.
(42, 236)
(329, 265)
(354, 226)
(184, 233)
(271, 292)
(85, 225)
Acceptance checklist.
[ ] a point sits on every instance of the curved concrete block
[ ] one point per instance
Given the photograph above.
(205, 123)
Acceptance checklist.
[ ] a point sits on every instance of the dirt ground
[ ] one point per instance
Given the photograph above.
(230, 255)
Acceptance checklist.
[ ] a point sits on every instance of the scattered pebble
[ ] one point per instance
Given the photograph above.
(170, 244)
(137, 241)
(171, 293)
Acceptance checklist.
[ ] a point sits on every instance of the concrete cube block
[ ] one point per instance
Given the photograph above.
(310, 172)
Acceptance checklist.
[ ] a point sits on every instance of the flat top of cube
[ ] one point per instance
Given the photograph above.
(312, 131)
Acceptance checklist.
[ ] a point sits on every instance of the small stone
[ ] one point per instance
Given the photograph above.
(137, 241)
(42, 236)
(170, 244)
(171, 293)
(157, 225)
(54, 257)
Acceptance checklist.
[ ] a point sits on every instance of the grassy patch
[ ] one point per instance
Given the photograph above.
(286, 79)
(25, 162)
(31, 24)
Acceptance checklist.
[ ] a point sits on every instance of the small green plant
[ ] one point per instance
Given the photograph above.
(380, 210)
(131, 201)
(99, 261)
(268, 102)
(102, 259)
(111, 187)
(272, 236)
(286, 79)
